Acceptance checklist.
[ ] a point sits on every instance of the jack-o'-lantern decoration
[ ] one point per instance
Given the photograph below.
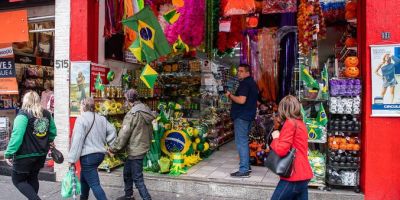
(351, 61)
(350, 42)
(252, 21)
(351, 72)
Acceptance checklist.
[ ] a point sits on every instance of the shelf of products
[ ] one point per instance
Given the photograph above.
(344, 131)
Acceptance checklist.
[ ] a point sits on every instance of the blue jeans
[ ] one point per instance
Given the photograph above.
(133, 173)
(288, 190)
(241, 129)
(90, 177)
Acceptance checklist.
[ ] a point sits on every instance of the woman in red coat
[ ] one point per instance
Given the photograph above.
(293, 134)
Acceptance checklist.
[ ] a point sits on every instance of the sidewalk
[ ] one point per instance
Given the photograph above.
(51, 191)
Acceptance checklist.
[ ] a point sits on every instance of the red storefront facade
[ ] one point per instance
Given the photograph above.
(380, 172)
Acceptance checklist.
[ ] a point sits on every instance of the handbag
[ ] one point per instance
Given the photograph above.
(281, 166)
(56, 155)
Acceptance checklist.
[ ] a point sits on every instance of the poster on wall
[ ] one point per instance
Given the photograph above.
(385, 70)
(8, 80)
(95, 71)
(79, 85)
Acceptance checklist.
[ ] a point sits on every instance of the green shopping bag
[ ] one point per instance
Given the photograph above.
(70, 185)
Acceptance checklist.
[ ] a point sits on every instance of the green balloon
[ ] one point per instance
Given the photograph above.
(110, 76)
(200, 146)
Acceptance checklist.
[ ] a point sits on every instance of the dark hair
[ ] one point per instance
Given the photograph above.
(246, 67)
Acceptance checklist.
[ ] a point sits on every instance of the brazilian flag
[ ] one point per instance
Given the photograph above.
(321, 116)
(151, 42)
(309, 81)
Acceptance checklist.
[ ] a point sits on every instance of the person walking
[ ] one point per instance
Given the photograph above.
(90, 135)
(33, 133)
(135, 135)
(293, 134)
(243, 112)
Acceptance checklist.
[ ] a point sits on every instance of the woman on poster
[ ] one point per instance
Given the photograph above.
(80, 80)
(387, 74)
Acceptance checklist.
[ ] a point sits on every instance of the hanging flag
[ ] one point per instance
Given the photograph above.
(324, 75)
(136, 50)
(149, 76)
(171, 16)
(152, 41)
(308, 79)
(322, 119)
(99, 83)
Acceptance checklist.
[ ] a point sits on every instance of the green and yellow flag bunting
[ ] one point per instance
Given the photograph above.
(151, 42)
(171, 16)
(149, 76)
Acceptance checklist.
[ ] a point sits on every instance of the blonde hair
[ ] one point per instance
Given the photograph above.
(289, 108)
(31, 104)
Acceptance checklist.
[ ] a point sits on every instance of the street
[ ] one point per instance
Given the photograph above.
(51, 191)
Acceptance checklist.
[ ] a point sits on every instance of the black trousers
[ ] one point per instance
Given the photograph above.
(25, 176)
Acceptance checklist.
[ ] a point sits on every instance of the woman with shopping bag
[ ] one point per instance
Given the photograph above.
(33, 133)
(90, 135)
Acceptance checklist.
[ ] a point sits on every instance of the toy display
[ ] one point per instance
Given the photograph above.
(345, 105)
(345, 87)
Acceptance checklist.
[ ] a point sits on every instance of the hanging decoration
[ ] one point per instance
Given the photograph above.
(99, 83)
(110, 75)
(149, 76)
(171, 16)
(228, 40)
(151, 43)
(162, 11)
(311, 25)
(180, 46)
(238, 7)
(213, 9)
(189, 24)
(279, 6)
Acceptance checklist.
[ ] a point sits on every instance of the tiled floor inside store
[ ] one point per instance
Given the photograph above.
(225, 161)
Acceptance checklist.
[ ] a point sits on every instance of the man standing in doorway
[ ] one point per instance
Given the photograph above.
(243, 112)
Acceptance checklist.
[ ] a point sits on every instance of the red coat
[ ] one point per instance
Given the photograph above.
(301, 167)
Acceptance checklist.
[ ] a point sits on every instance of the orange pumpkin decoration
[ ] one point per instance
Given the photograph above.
(342, 140)
(352, 141)
(343, 146)
(351, 6)
(349, 147)
(335, 146)
(351, 61)
(351, 72)
(356, 147)
(350, 15)
(330, 139)
(350, 42)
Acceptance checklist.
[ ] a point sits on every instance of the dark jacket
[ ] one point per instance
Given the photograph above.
(31, 136)
(136, 132)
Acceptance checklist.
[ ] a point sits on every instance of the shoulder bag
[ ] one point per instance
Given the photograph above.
(58, 156)
(281, 166)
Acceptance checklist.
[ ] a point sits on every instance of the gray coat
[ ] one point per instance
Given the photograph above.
(102, 133)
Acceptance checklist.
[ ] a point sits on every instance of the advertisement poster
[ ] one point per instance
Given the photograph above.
(79, 85)
(385, 70)
(94, 72)
(8, 80)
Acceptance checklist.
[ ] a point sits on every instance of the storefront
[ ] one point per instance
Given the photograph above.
(370, 145)
(27, 60)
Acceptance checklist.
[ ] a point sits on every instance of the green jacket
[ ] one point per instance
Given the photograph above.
(30, 136)
(136, 132)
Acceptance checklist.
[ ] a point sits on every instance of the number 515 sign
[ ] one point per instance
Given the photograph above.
(62, 64)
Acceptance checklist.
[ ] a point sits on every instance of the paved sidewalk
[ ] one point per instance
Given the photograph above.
(51, 191)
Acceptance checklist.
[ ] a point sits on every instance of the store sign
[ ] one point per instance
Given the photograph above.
(96, 70)
(385, 68)
(14, 26)
(6, 52)
(8, 81)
